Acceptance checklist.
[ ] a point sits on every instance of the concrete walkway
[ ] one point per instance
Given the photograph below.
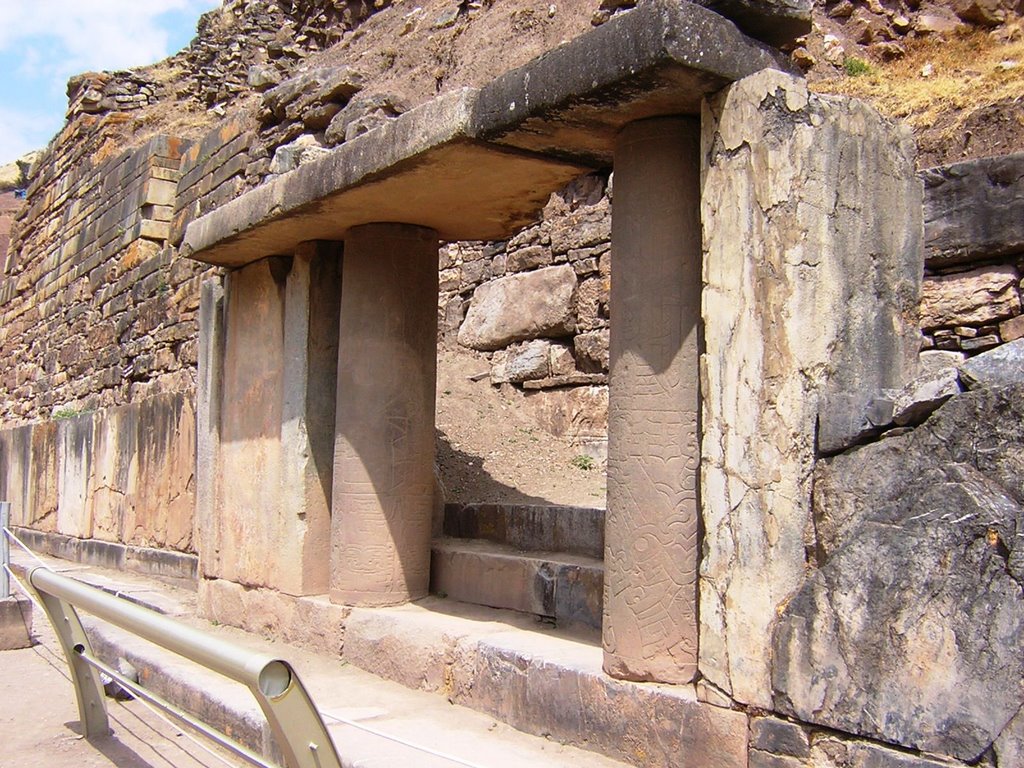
(343, 693)
(39, 721)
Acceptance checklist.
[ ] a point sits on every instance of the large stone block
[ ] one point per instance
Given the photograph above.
(999, 367)
(15, 623)
(983, 295)
(974, 209)
(778, 22)
(910, 629)
(383, 492)
(522, 306)
(812, 270)
(266, 445)
(651, 529)
(28, 474)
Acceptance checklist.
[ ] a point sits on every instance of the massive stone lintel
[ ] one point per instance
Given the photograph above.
(477, 165)
(662, 58)
(384, 444)
(651, 546)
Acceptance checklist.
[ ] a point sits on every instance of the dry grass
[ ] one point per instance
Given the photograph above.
(971, 71)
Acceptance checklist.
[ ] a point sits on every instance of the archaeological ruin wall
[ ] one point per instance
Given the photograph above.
(774, 597)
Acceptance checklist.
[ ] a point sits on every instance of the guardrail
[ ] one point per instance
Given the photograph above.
(294, 721)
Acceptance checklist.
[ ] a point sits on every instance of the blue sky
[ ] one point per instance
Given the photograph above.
(44, 42)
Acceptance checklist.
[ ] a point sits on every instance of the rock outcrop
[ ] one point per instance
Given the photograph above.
(910, 629)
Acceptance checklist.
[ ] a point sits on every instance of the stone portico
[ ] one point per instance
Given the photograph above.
(333, 291)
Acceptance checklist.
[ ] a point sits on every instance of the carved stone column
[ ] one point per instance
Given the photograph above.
(652, 548)
(384, 438)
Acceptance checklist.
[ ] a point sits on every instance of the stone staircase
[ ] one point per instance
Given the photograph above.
(540, 560)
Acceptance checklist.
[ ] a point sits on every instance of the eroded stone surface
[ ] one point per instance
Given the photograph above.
(999, 367)
(937, 512)
(974, 209)
(983, 295)
(383, 492)
(802, 195)
(521, 306)
(267, 424)
(778, 22)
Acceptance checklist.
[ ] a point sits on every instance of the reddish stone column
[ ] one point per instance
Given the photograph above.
(651, 534)
(384, 437)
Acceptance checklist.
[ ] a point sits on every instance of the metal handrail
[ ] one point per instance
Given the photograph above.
(297, 726)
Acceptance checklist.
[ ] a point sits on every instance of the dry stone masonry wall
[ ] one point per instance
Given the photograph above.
(96, 312)
(843, 475)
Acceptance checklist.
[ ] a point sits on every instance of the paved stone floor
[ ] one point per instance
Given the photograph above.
(39, 721)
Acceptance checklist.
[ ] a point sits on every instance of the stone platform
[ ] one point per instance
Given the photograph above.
(502, 671)
(15, 623)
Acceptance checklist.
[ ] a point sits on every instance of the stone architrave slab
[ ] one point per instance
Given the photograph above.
(812, 269)
(478, 165)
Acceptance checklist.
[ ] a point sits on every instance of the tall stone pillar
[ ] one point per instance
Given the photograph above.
(651, 534)
(384, 437)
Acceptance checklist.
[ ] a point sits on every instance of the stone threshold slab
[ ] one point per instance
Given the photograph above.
(480, 164)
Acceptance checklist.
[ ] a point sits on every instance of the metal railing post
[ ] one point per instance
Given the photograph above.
(5, 549)
(296, 724)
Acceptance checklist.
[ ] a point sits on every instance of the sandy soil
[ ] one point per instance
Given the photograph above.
(490, 450)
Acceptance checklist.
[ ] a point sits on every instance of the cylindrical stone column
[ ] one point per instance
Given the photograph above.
(384, 439)
(651, 530)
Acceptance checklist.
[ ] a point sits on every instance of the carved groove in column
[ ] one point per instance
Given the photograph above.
(652, 547)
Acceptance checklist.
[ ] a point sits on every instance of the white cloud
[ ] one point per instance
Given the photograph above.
(44, 42)
(81, 35)
(22, 131)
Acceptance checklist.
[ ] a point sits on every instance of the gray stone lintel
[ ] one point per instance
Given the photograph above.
(480, 164)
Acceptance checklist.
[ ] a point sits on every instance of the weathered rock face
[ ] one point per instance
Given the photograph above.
(522, 306)
(982, 295)
(998, 367)
(802, 195)
(974, 209)
(122, 474)
(911, 628)
(777, 22)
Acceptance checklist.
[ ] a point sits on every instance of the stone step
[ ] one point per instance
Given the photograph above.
(565, 588)
(543, 681)
(576, 530)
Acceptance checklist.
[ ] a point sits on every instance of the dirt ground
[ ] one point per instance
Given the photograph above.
(39, 721)
(490, 450)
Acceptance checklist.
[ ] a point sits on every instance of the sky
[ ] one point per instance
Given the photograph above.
(44, 42)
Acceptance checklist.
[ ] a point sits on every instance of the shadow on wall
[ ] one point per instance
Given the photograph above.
(463, 475)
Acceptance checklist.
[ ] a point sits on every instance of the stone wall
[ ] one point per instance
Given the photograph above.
(95, 310)
(974, 223)
(9, 204)
(123, 474)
